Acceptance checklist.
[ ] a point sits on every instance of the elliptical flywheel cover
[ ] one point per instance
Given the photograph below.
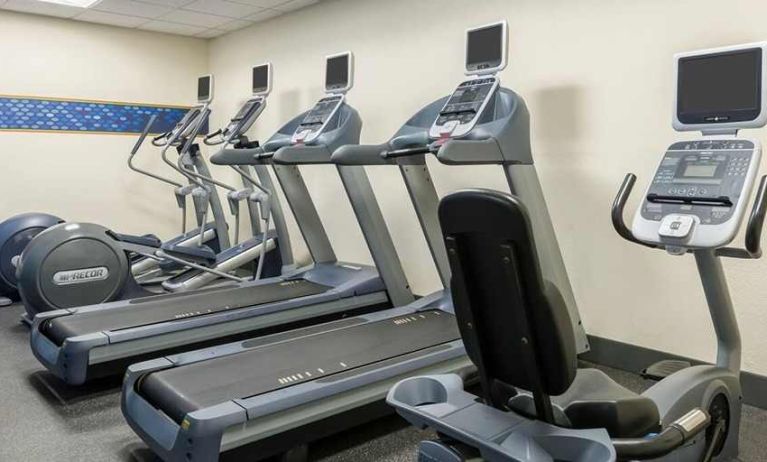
(69, 265)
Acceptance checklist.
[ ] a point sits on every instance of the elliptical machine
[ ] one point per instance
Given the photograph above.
(268, 249)
(76, 264)
(18, 231)
(536, 405)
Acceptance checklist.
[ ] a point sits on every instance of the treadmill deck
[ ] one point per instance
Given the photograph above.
(187, 388)
(176, 306)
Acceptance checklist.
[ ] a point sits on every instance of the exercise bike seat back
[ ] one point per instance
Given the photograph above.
(516, 327)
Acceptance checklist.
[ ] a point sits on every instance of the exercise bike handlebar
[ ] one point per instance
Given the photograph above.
(671, 438)
(753, 248)
(618, 208)
(136, 148)
(756, 221)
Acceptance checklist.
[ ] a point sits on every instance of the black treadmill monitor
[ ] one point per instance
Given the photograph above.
(720, 88)
(204, 88)
(484, 47)
(337, 70)
(261, 79)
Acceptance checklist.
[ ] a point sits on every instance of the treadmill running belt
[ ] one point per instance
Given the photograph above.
(184, 389)
(182, 306)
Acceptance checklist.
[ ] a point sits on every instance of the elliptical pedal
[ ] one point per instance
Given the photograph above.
(5, 301)
(663, 369)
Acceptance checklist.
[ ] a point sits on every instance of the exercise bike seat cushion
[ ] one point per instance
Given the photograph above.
(203, 255)
(148, 240)
(594, 400)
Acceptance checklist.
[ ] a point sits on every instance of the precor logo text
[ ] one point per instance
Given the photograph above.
(80, 276)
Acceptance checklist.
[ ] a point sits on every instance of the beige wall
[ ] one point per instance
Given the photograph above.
(84, 177)
(597, 78)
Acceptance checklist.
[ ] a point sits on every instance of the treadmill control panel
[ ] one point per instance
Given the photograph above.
(245, 118)
(316, 120)
(698, 191)
(464, 108)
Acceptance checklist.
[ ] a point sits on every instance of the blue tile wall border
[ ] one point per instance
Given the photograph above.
(30, 113)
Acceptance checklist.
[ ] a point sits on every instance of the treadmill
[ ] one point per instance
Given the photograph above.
(88, 342)
(261, 397)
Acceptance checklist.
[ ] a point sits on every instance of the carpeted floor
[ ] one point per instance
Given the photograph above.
(42, 420)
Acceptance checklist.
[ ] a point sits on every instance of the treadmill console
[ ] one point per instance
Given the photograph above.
(317, 119)
(464, 108)
(699, 192)
(244, 119)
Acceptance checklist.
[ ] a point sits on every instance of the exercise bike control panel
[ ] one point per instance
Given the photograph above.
(317, 119)
(698, 195)
(464, 108)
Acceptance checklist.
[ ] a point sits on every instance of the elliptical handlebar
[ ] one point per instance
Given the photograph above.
(136, 148)
(210, 136)
(193, 177)
(753, 248)
(144, 134)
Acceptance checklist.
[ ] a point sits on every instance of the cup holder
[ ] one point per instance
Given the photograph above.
(574, 448)
(420, 391)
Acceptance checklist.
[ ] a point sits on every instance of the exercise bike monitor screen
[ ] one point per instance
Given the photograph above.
(205, 89)
(486, 48)
(262, 79)
(720, 87)
(338, 72)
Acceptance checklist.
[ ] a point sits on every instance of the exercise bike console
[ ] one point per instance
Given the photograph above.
(699, 193)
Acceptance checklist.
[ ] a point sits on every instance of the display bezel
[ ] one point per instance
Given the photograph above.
(727, 121)
(261, 91)
(488, 67)
(340, 88)
(734, 115)
(209, 97)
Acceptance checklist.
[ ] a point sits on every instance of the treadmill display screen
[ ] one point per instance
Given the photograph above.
(337, 72)
(484, 48)
(261, 79)
(720, 88)
(204, 88)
